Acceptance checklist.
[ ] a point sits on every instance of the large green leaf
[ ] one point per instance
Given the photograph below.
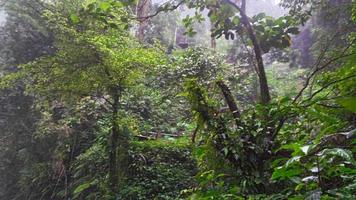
(343, 153)
(282, 173)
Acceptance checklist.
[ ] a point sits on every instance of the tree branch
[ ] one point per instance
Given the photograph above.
(230, 101)
(328, 85)
(342, 55)
(159, 10)
(337, 139)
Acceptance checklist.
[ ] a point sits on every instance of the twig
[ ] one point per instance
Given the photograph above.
(342, 55)
(328, 85)
(159, 10)
(329, 106)
(337, 139)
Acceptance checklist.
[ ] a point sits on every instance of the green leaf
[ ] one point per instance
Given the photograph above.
(74, 18)
(283, 173)
(292, 146)
(81, 188)
(104, 6)
(348, 102)
(226, 151)
(343, 153)
(348, 171)
(259, 16)
(293, 160)
(236, 20)
(113, 25)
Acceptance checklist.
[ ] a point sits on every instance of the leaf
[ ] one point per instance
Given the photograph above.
(348, 102)
(284, 100)
(299, 187)
(306, 149)
(213, 17)
(310, 178)
(260, 28)
(226, 151)
(293, 160)
(74, 18)
(343, 153)
(113, 25)
(297, 148)
(259, 16)
(81, 188)
(348, 171)
(283, 173)
(236, 20)
(124, 19)
(104, 6)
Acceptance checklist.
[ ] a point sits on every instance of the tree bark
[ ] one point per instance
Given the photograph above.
(194, 135)
(143, 8)
(113, 169)
(230, 102)
(212, 39)
(264, 90)
(213, 43)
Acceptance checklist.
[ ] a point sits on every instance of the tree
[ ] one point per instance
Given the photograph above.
(142, 9)
(92, 58)
(23, 38)
(264, 33)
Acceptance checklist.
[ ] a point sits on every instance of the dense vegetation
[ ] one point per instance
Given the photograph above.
(180, 99)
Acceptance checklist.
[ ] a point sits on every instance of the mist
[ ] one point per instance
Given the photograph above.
(148, 100)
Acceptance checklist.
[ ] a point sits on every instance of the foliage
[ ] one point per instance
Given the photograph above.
(284, 81)
(160, 169)
(318, 169)
(270, 32)
(79, 92)
(23, 38)
(157, 170)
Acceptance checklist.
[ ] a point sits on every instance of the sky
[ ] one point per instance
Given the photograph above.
(2, 15)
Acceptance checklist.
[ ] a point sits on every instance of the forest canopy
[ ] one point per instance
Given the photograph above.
(177, 99)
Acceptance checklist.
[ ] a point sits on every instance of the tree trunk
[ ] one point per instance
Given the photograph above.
(212, 38)
(213, 43)
(229, 98)
(264, 90)
(113, 172)
(142, 10)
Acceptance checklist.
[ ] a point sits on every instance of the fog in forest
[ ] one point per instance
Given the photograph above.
(177, 99)
(2, 17)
